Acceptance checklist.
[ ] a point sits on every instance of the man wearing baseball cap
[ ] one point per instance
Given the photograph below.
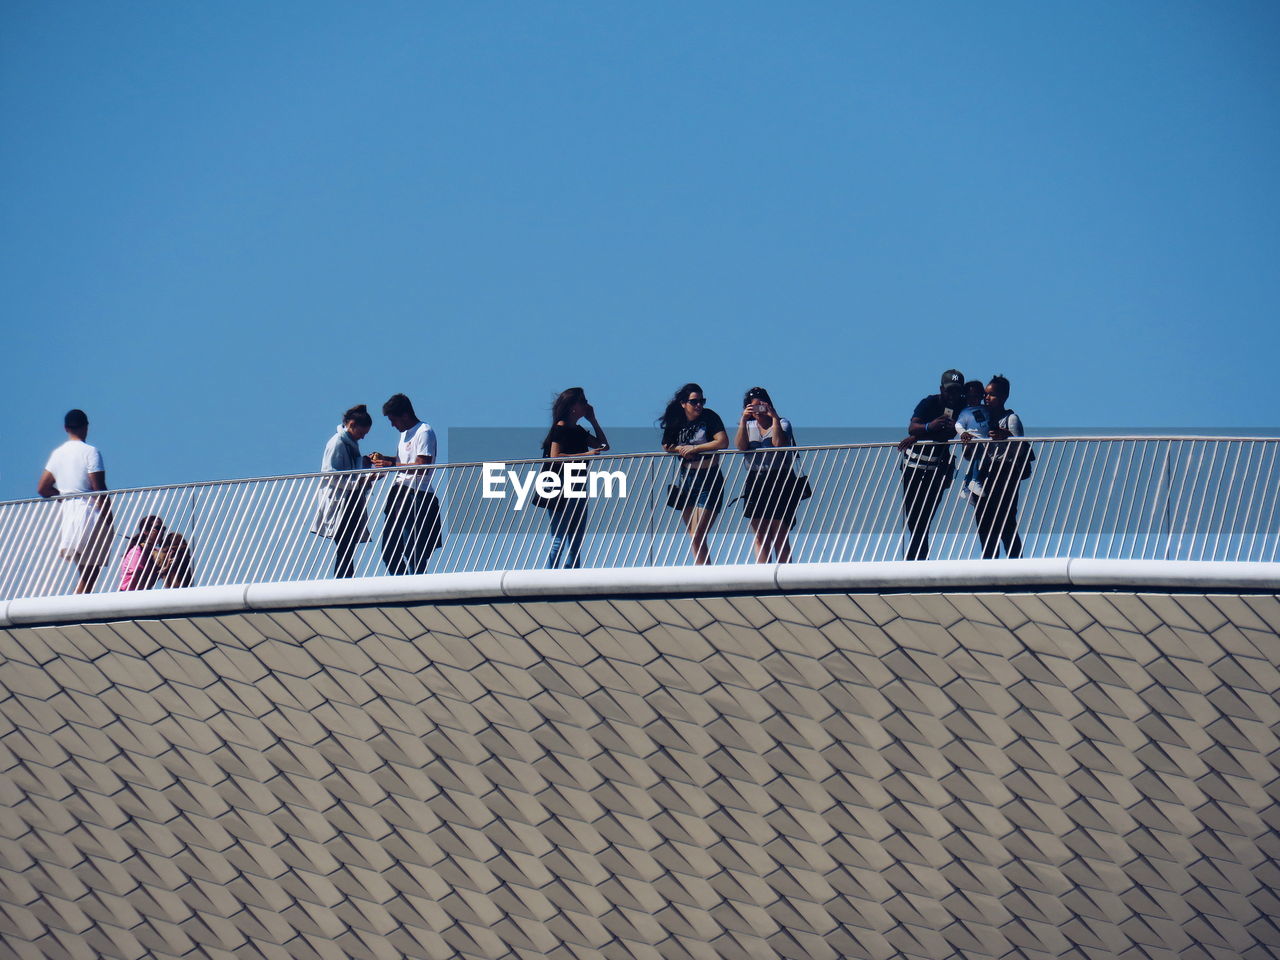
(926, 459)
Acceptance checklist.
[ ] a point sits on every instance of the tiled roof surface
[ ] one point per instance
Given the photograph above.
(963, 775)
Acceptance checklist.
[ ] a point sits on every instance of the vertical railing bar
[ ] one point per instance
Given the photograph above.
(1237, 451)
(1202, 494)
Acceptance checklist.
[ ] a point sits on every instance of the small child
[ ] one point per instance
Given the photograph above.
(973, 421)
(174, 560)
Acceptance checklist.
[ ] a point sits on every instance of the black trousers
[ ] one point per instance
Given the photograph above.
(996, 514)
(411, 532)
(351, 523)
(921, 494)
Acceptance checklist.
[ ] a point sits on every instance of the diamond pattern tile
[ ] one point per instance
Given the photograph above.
(970, 776)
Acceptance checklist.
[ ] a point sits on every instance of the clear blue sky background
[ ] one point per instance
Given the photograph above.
(223, 223)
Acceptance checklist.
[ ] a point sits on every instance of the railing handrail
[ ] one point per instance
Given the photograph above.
(653, 454)
(1141, 497)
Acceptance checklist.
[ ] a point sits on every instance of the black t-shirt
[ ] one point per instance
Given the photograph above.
(699, 430)
(571, 437)
(695, 432)
(929, 409)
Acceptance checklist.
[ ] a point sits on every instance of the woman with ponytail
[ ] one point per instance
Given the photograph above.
(340, 514)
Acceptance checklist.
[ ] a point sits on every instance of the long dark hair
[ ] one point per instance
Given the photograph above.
(145, 526)
(560, 408)
(673, 417)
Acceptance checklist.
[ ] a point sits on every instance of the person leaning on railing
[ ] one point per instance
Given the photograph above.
(138, 567)
(691, 431)
(926, 459)
(173, 556)
(1004, 466)
(85, 522)
(340, 501)
(567, 438)
(772, 490)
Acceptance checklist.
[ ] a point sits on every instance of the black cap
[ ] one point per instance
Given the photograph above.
(952, 378)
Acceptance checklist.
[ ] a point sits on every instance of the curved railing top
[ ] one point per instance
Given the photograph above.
(644, 454)
(1192, 498)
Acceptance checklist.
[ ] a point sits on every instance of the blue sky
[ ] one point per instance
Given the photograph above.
(222, 224)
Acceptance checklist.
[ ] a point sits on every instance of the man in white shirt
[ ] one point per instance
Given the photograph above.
(412, 528)
(85, 527)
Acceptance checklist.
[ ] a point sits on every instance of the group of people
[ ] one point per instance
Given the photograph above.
(995, 470)
(155, 554)
(86, 525)
(412, 530)
(960, 410)
(772, 491)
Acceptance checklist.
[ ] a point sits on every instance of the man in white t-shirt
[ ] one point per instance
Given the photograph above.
(85, 528)
(411, 532)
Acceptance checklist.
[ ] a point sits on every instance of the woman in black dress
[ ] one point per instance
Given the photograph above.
(772, 490)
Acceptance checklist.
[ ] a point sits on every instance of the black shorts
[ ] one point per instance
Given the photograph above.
(698, 488)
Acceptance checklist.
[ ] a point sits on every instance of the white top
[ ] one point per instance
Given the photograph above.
(1011, 422)
(419, 440)
(757, 439)
(71, 465)
(973, 420)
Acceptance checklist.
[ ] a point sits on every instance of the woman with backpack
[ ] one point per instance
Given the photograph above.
(567, 438)
(1004, 466)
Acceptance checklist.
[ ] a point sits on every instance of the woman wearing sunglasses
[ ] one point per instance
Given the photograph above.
(691, 432)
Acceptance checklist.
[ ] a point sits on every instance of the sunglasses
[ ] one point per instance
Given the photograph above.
(697, 401)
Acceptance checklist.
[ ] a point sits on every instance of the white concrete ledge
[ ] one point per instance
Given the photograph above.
(1176, 574)
(721, 578)
(929, 576)
(364, 590)
(133, 605)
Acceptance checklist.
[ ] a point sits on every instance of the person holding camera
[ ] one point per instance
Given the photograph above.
(926, 459)
(340, 501)
(772, 491)
(692, 432)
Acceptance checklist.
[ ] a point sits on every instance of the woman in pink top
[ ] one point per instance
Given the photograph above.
(138, 567)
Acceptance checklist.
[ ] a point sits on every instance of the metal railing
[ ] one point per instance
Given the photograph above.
(1183, 498)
